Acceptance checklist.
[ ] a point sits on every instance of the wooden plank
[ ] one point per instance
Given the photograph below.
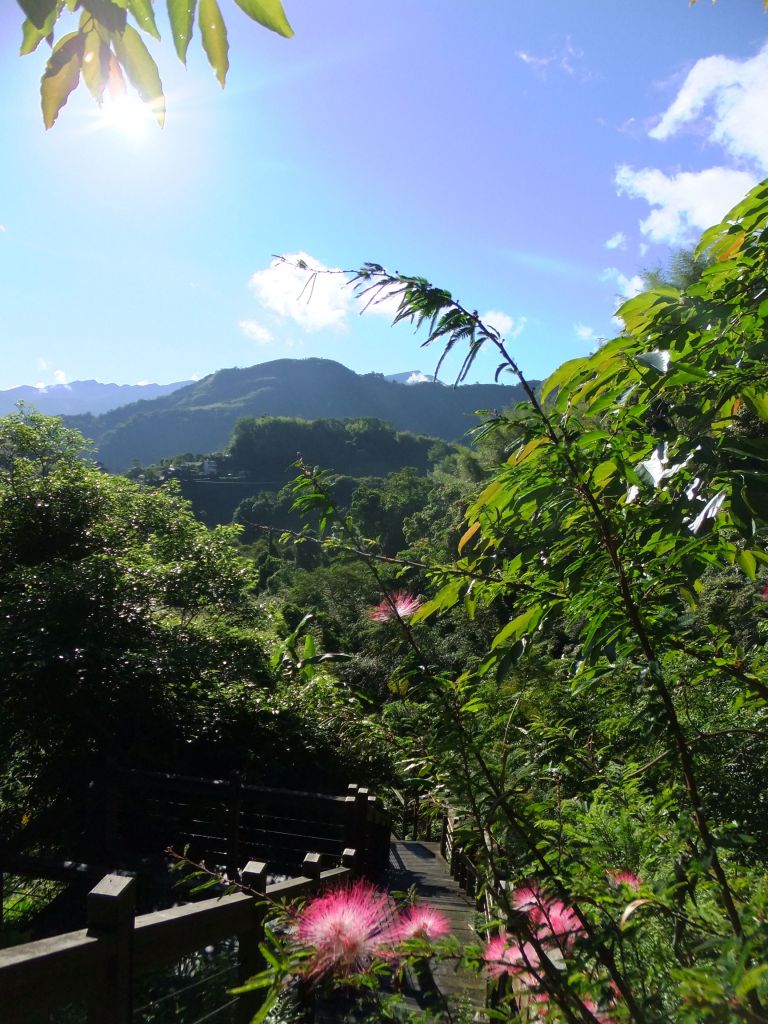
(51, 971)
(166, 935)
(421, 865)
(167, 782)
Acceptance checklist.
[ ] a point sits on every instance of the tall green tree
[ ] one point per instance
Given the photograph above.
(123, 621)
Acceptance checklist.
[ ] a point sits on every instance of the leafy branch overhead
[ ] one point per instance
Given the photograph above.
(105, 46)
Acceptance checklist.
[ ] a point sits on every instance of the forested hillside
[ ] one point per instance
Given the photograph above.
(201, 417)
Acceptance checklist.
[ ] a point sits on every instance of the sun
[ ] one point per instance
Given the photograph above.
(127, 115)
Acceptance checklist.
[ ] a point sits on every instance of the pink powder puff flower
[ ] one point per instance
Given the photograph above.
(398, 603)
(619, 876)
(559, 922)
(594, 1009)
(503, 955)
(343, 929)
(419, 922)
(527, 898)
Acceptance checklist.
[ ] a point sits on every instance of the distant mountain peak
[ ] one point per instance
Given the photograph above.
(412, 377)
(79, 397)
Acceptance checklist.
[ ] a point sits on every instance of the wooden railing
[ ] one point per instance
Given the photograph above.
(97, 965)
(227, 822)
(487, 893)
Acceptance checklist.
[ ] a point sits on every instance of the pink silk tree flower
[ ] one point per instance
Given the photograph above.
(618, 876)
(594, 1009)
(420, 922)
(559, 922)
(344, 928)
(399, 603)
(527, 898)
(503, 955)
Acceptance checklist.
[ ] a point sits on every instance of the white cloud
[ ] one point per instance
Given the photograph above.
(566, 59)
(42, 364)
(3, 228)
(723, 101)
(627, 287)
(584, 333)
(617, 241)
(726, 99)
(41, 386)
(417, 377)
(507, 326)
(685, 203)
(256, 332)
(142, 383)
(538, 63)
(61, 378)
(314, 301)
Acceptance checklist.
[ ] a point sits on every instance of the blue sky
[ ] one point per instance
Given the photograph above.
(530, 155)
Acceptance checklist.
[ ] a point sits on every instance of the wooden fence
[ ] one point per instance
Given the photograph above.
(97, 965)
(230, 822)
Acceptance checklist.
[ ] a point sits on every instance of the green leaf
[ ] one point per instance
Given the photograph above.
(38, 11)
(746, 561)
(109, 13)
(141, 70)
(468, 535)
(604, 471)
(758, 403)
(268, 13)
(562, 375)
(446, 598)
(145, 16)
(526, 622)
(214, 35)
(181, 15)
(750, 980)
(61, 76)
(95, 65)
(658, 361)
(32, 36)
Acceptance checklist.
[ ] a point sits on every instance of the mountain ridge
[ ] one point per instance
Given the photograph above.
(200, 416)
(82, 396)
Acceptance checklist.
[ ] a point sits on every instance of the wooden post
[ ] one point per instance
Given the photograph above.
(110, 912)
(444, 837)
(355, 831)
(311, 865)
(349, 859)
(379, 833)
(363, 838)
(254, 878)
(235, 808)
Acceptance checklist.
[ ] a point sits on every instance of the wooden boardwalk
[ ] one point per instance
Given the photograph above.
(419, 865)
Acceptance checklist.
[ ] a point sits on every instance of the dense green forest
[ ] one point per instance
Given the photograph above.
(560, 635)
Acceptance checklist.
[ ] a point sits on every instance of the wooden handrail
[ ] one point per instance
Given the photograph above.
(219, 786)
(39, 976)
